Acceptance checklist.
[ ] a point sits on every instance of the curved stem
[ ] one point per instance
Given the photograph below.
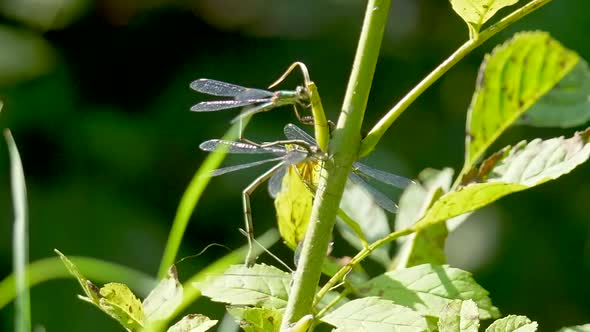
(383, 125)
(344, 149)
(341, 274)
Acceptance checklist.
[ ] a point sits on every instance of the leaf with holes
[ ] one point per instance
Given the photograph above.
(513, 323)
(257, 319)
(428, 288)
(566, 105)
(375, 314)
(476, 12)
(511, 170)
(119, 302)
(511, 79)
(261, 285)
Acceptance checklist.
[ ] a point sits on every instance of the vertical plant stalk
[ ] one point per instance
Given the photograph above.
(383, 125)
(20, 238)
(344, 149)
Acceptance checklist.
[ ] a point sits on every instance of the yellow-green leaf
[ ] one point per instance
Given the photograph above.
(513, 323)
(90, 290)
(257, 319)
(120, 303)
(193, 323)
(293, 205)
(476, 12)
(511, 79)
(512, 169)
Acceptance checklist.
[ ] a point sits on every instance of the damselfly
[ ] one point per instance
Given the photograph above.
(253, 100)
(299, 149)
(290, 152)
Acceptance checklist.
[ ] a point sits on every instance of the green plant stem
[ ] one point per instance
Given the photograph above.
(99, 271)
(191, 198)
(377, 132)
(341, 274)
(344, 149)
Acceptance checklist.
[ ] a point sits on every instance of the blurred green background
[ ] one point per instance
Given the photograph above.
(96, 94)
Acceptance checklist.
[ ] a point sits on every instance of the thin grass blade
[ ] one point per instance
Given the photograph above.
(234, 168)
(20, 237)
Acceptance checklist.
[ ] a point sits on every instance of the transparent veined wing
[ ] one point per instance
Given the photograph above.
(294, 132)
(240, 147)
(234, 168)
(381, 176)
(380, 198)
(224, 89)
(219, 105)
(275, 183)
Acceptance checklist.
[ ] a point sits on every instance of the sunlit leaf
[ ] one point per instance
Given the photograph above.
(512, 323)
(566, 105)
(193, 323)
(427, 289)
(119, 302)
(261, 285)
(293, 205)
(510, 170)
(476, 12)
(164, 299)
(578, 328)
(90, 290)
(425, 246)
(257, 319)
(511, 79)
(459, 316)
(375, 314)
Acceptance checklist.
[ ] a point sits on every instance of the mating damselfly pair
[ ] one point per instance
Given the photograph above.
(299, 148)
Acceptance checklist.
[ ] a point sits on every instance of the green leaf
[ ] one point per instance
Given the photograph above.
(512, 323)
(120, 303)
(476, 12)
(511, 79)
(20, 238)
(375, 314)
(261, 285)
(89, 288)
(164, 299)
(193, 323)
(293, 205)
(257, 319)
(578, 328)
(425, 246)
(360, 206)
(459, 316)
(428, 288)
(510, 170)
(566, 105)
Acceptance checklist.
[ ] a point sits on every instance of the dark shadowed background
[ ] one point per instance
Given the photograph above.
(97, 96)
